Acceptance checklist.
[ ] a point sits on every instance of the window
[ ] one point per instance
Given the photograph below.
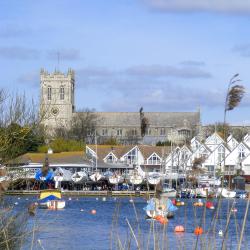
(131, 157)
(162, 131)
(154, 160)
(61, 93)
(110, 158)
(49, 92)
(104, 131)
(134, 132)
(148, 131)
(119, 132)
(241, 152)
(221, 153)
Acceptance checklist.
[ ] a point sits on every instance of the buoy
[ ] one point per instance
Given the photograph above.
(115, 199)
(18, 198)
(174, 201)
(198, 231)
(209, 205)
(16, 203)
(93, 211)
(26, 199)
(104, 199)
(131, 200)
(220, 233)
(179, 229)
(69, 198)
(234, 210)
(81, 210)
(161, 219)
(97, 198)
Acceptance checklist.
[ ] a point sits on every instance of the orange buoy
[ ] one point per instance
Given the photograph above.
(161, 219)
(198, 231)
(179, 229)
(93, 211)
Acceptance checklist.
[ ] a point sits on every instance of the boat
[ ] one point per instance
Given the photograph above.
(135, 178)
(168, 191)
(79, 177)
(96, 176)
(154, 178)
(160, 207)
(116, 179)
(226, 193)
(51, 199)
(210, 205)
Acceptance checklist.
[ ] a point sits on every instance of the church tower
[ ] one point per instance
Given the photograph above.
(57, 99)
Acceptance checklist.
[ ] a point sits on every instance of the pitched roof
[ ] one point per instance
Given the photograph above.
(120, 150)
(157, 119)
(64, 157)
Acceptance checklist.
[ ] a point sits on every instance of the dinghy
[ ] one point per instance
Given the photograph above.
(51, 199)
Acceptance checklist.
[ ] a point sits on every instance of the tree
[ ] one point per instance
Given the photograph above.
(144, 122)
(83, 125)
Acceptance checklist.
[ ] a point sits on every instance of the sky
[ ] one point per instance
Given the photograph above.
(162, 55)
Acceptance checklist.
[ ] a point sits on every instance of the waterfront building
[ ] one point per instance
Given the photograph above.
(216, 156)
(57, 109)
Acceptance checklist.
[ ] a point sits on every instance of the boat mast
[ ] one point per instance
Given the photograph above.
(95, 151)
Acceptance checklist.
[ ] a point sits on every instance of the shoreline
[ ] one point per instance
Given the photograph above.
(86, 193)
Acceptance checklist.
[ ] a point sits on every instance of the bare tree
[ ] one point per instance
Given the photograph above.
(83, 125)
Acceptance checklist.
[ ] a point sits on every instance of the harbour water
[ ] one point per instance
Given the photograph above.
(76, 227)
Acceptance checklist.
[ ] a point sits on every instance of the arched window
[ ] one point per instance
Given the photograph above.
(49, 92)
(61, 93)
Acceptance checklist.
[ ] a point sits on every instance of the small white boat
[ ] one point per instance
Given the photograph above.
(135, 178)
(226, 193)
(62, 174)
(168, 192)
(116, 179)
(154, 178)
(96, 177)
(79, 177)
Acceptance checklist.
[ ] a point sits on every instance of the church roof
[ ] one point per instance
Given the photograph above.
(156, 119)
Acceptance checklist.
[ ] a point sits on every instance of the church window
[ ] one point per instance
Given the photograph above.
(148, 131)
(119, 132)
(61, 93)
(49, 92)
(104, 131)
(162, 131)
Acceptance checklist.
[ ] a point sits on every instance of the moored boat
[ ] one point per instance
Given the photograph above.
(115, 179)
(79, 177)
(51, 199)
(226, 193)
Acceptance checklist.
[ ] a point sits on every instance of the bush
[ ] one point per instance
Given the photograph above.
(62, 145)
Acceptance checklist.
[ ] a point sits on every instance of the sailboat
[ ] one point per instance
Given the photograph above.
(79, 177)
(116, 179)
(160, 207)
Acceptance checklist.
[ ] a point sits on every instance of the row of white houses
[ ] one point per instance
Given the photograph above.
(215, 154)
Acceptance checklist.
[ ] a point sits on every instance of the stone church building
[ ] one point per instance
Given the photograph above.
(57, 108)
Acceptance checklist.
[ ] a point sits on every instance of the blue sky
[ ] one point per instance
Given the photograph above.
(163, 55)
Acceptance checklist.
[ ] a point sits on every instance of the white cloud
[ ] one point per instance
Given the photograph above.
(226, 6)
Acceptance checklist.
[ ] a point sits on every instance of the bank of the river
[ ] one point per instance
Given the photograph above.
(86, 193)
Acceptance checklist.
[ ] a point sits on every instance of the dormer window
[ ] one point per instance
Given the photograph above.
(62, 93)
(49, 93)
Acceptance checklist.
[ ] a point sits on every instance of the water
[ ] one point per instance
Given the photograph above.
(76, 228)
